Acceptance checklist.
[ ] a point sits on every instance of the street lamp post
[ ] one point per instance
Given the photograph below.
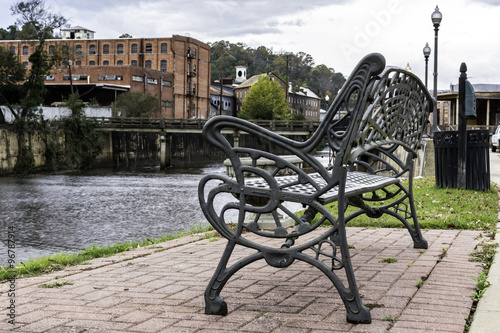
(427, 53)
(436, 20)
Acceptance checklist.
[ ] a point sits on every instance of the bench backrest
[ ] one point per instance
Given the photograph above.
(384, 108)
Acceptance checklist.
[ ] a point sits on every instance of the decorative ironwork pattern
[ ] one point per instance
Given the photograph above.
(375, 112)
(397, 114)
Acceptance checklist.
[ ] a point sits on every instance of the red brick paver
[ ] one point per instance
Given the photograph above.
(160, 289)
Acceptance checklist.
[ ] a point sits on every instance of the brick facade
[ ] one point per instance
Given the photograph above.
(184, 61)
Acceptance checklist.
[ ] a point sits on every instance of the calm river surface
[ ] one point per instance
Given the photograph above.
(69, 211)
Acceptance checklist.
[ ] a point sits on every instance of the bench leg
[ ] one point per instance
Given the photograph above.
(214, 304)
(406, 213)
(357, 312)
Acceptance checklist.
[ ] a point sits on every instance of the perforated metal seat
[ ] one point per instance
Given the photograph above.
(356, 183)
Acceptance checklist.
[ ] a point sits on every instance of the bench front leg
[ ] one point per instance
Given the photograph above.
(214, 304)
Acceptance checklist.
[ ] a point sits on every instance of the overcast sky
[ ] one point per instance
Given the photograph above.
(336, 33)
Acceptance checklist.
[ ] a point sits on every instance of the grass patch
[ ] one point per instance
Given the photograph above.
(55, 284)
(388, 260)
(439, 208)
(390, 319)
(59, 261)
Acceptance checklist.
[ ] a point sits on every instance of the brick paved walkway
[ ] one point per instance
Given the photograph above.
(160, 289)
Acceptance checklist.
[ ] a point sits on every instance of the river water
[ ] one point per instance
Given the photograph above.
(69, 211)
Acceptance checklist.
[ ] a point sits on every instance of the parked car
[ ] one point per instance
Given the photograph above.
(495, 140)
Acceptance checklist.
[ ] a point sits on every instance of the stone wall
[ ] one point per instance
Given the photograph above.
(9, 149)
(187, 149)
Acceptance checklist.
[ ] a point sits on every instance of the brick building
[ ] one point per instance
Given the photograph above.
(304, 101)
(175, 69)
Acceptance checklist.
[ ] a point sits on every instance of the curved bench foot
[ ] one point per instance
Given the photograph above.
(420, 243)
(363, 316)
(216, 306)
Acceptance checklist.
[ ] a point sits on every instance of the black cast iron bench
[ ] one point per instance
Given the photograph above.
(386, 110)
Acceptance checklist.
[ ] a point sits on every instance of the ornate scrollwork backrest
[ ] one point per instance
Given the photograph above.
(344, 116)
(397, 114)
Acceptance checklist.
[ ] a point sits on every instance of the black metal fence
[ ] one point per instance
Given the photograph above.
(477, 169)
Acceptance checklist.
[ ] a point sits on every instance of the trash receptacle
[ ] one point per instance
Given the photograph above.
(477, 169)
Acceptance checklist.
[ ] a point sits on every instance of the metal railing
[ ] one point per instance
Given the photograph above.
(161, 123)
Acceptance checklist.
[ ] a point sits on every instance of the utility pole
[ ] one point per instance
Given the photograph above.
(287, 83)
(220, 80)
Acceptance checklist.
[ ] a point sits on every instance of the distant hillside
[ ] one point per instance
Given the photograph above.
(302, 71)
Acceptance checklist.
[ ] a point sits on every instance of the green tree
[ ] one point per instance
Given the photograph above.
(10, 33)
(12, 72)
(265, 100)
(137, 104)
(36, 20)
(37, 25)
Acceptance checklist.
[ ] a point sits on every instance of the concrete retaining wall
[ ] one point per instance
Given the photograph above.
(9, 149)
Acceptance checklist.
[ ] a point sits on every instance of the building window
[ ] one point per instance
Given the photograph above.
(164, 48)
(134, 63)
(13, 49)
(119, 62)
(167, 83)
(163, 65)
(110, 77)
(51, 49)
(134, 49)
(105, 63)
(149, 48)
(91, 63)
(105, 49)
(78, 63)
(78, 49)
(166, 103)
(148, 64)
(25, 64)
(92, 49)
(25, 50)
(119, 49)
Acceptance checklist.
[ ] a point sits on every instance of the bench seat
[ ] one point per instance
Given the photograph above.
(356, 183)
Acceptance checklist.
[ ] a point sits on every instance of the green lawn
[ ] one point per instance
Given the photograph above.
(442, 208)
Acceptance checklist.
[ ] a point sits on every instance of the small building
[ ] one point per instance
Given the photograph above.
(487, 107)
(77, 32)
(226, 99)
(241, 91)
(304, 101)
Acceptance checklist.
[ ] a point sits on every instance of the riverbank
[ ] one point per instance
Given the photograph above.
(69, 211)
